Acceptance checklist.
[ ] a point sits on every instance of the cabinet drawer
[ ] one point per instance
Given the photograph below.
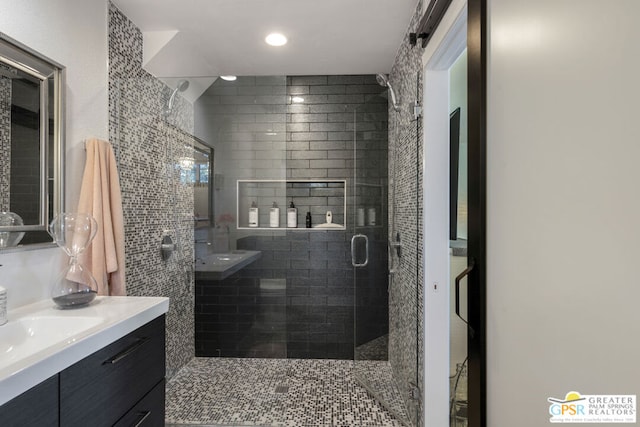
(99, 389)
(149, 412)
(37, 407)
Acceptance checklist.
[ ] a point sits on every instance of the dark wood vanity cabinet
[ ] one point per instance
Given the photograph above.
(120, 385)
(100, 389)
(37, 406)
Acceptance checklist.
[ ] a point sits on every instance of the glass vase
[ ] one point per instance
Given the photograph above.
(73, 233)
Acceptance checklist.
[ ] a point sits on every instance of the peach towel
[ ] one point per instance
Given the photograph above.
(100, 196)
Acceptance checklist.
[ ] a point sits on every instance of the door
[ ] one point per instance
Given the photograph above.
(385, 306)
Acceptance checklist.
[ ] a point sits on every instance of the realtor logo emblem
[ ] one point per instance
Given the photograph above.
(577, 408)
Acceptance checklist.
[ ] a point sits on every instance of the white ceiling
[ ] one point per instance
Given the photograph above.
(190, 38)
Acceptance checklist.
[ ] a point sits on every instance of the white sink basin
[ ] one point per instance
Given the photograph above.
(41, 340)
(225, 259)
(28, 335)
(220, 266)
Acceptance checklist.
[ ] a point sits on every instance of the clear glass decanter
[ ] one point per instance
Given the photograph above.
(76, 286)
(10, 238)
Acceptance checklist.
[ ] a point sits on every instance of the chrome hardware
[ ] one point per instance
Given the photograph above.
(397, 245)
(417, 111)
(167, 247)
(353, 250)
(144, 416)
(414, 392)
(458, 280)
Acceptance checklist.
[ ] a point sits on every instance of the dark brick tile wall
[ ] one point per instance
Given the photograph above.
(310, 314)
(259, 132)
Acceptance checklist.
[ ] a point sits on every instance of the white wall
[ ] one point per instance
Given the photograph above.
(446, 45)
(73, 33)
(563, 204)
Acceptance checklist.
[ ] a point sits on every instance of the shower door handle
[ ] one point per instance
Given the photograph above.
(458, 280)
(353, 250)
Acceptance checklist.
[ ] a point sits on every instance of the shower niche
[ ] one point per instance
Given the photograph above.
(311, 198)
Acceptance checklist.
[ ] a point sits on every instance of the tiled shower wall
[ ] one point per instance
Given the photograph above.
(405, 157)
(258, 133)
(5, 142)
(148, 145)
(25, 161)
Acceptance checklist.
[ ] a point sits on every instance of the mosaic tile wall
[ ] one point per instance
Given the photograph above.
(259, 133)
(5, 142)
(25, 155)
(147, 146)
(405, 158)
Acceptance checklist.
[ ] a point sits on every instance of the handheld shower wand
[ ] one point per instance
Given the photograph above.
(180, 87)
(383, 81)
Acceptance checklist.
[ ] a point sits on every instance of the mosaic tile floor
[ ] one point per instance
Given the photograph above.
(273, 392)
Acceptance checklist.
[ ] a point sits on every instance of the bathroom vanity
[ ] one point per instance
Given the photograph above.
(103, 365)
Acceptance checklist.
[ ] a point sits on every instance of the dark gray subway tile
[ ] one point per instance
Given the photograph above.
(308, 136)
(308, 118)
(300, 127)
(347, 79)
(360, 89)
(297, 90)
(323, 127)
(329, 89)
(308, 80)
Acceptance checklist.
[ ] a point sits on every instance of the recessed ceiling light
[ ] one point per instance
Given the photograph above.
(228, 78)
(276, 39)
(297, 99)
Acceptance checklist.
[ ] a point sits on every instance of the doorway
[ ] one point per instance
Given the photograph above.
(451, 399)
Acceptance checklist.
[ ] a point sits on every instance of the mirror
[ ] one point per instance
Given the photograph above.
(31, 135)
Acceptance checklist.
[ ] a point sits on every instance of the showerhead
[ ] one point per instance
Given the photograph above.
(180, 87)
(384, 82)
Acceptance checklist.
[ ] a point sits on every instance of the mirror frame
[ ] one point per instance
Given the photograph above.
(52, 80)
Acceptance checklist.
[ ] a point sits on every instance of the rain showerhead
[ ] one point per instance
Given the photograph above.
(180, 87)
(383, 81)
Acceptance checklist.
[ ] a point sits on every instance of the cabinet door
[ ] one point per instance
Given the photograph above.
(37, 407)
(149, 412)
(100, 389)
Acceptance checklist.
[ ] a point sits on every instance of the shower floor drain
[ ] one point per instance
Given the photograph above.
(282, 389)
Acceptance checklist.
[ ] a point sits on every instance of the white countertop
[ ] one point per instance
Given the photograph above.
(112, 318)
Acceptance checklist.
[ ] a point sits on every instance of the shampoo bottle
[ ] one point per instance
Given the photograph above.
(253, 215)
(292, 216)
(308, 220)
(274, 216)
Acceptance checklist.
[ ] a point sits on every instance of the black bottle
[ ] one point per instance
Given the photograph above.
(308, 220)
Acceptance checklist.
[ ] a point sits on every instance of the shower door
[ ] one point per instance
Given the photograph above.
(385, 303)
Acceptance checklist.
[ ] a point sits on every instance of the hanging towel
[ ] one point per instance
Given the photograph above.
(100, 196)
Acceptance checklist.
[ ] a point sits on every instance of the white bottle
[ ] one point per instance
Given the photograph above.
(274, 216)
(329, 217)
(253, 215)
(292, 216)
(3, 305)
(371, 216)
(360, 217)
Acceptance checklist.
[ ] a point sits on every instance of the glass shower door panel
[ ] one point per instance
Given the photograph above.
(382, 364)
